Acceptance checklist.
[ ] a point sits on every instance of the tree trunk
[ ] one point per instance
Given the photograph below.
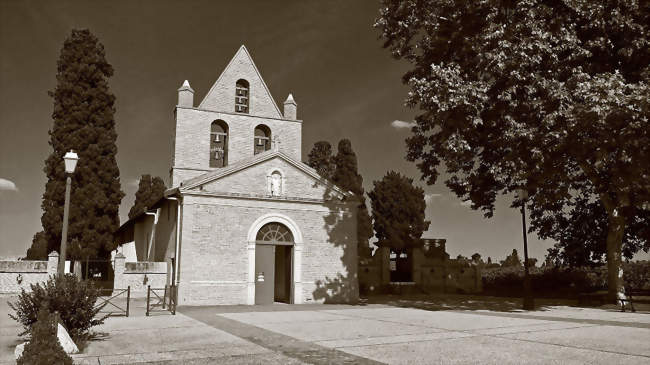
(615, 230)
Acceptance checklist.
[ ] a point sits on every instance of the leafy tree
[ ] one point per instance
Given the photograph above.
(476, 258)
(581, 234)
(549, 96)
(347, 178)
(150, 190)
(398, 212)
(321, 159)
(512, 260)
(83, 122)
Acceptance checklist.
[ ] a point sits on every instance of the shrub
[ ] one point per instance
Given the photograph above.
(561, 282)
(636, 275)
(72, 299)
(44, 347)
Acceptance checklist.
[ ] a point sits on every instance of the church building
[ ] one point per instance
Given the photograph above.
(244, 220)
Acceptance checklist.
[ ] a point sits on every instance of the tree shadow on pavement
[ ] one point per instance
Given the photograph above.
(439, 302)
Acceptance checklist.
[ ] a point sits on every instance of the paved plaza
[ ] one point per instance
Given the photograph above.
(371, 334)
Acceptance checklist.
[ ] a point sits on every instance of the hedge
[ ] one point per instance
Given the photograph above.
(561, 282)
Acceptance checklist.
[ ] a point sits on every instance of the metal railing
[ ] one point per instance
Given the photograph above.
(162, 298)
(116, 308)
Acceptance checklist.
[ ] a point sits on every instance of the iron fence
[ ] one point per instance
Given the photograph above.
(113, 300)
(162, 299)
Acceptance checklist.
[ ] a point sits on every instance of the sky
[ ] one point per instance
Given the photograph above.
(326, 53)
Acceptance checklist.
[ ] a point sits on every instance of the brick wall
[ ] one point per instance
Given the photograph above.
(192, 139)
(253, 180)
(214, 254)
(222, 95)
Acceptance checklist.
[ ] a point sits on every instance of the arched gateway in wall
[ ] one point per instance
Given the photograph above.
(275, 246)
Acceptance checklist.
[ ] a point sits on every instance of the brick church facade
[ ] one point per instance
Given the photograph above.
(245, 221)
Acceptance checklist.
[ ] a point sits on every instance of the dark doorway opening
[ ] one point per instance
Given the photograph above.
(273, 263)
(401, 266)
(282, 291)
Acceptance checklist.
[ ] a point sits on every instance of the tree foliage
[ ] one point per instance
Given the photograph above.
(72, 299)
(512, 260)
(548, 95)
(346, 176)
(581, 235)
(320, 158)
(38, 250)
(83, 122)
(476, 258)
(150, 190)
(398, 212)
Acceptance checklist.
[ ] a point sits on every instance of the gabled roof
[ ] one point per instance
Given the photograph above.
(125, 232)
(259, 158)
(242, 56)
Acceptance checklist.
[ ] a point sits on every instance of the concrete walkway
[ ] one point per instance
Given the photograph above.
(371, 334)
(412, 336)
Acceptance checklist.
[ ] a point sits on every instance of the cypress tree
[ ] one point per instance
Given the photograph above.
(321, 159)
(150, 190)
(44, 347)
(398, 210)
(347, 177)
(83, 122)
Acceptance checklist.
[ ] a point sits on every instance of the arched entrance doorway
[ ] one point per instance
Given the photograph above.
(273, 261)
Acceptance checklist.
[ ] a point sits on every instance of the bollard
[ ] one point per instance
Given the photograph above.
(148, 291)
(128, 299)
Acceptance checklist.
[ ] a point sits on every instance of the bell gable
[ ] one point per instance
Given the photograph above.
(241, 89)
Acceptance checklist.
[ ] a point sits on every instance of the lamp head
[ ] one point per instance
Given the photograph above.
(70, 160)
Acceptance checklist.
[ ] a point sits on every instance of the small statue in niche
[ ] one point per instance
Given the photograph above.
(276, 184)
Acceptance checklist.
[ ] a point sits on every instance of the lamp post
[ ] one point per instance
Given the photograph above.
(529, 301)
(70, 159)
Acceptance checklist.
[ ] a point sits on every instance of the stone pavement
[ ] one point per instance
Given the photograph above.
(412, 336)
(371, 334)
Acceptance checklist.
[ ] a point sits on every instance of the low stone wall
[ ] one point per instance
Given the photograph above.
(17, 275)
(139, 275)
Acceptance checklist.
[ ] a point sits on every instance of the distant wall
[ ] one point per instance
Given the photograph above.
(430, 274)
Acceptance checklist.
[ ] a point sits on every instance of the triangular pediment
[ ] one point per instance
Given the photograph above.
(221, 96)
(253, 178)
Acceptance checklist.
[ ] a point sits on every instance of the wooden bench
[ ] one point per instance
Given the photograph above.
(586, 299)
(632, 296)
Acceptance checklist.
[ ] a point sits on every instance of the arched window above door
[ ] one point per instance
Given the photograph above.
(274, 232)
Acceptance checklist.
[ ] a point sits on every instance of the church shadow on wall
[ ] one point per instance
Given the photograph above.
(340, 224)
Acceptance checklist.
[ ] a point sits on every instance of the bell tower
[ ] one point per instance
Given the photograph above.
(236, 121)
